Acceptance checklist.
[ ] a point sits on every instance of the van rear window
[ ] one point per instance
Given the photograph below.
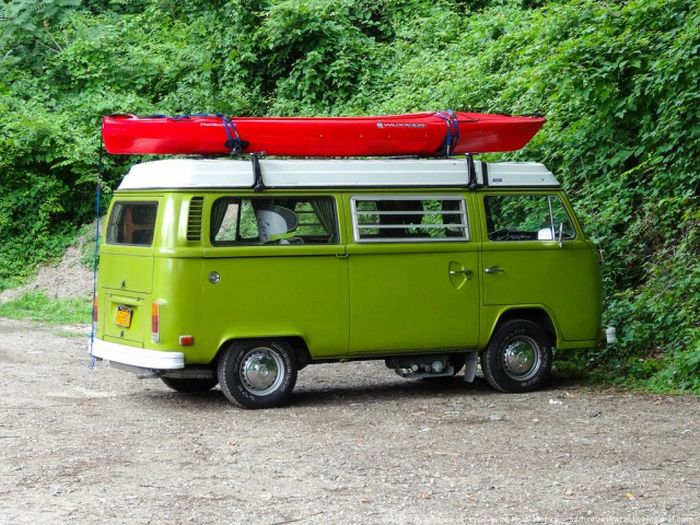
(132, 223)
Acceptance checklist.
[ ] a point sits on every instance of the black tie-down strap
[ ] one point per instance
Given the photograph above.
(234, 142)
(258, 184)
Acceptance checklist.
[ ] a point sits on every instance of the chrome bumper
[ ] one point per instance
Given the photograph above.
(138, 357)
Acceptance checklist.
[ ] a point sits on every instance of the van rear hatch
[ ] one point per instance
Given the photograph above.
(128, 273)
(126, 270)
(126, 289)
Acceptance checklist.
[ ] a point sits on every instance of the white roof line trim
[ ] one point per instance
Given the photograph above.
(277, 173)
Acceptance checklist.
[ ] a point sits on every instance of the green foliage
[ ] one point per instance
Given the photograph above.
(86, 243)
(618, 82)
(38, 307)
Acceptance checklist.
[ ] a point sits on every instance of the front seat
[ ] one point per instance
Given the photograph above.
(276, 224)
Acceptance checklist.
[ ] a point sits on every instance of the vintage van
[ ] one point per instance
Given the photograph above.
(243, 272)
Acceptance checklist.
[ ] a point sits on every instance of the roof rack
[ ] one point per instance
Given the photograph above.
(343, 173)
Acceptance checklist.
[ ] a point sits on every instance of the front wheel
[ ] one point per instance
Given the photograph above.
(258, 373)
(518, 358)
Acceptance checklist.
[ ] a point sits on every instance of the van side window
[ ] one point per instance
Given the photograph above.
(409, 218)
(273, 221)
(527, 218)
(132, 223)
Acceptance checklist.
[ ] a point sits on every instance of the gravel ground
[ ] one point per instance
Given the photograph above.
(357, 445)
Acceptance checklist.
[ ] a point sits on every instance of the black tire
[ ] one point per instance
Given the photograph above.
(250, 387)
(190, 385)
(518, 358)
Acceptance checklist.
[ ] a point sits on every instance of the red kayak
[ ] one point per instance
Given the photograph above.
(426, 134)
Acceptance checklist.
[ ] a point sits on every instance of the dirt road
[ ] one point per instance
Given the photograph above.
(357, 445)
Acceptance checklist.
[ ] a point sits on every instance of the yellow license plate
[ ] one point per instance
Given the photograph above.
(123, 317)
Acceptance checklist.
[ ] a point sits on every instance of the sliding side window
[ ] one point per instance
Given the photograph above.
(274, 221)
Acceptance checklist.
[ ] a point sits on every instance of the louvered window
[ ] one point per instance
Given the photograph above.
(194, 219)
(409, 218)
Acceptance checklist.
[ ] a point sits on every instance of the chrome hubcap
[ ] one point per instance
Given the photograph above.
(521, 358)
(261, 371)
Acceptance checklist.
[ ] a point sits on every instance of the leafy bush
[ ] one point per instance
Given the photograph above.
(616, 80)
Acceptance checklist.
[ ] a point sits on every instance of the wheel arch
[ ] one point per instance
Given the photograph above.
(537, 314)
(298, 344)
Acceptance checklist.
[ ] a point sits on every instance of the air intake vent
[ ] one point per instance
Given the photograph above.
(194, 219)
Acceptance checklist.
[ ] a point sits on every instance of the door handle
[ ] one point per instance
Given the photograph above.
(493, 269)
(467, 273)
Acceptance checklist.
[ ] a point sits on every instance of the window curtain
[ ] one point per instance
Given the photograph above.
(325, 210)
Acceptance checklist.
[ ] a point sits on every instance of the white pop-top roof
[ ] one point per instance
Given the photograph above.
(210, 173)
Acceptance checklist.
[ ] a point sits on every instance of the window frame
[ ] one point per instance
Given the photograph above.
(109, 223)
(238, 199)
(461, 213)
(549, 197)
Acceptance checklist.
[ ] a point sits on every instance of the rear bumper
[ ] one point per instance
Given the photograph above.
(138, 357)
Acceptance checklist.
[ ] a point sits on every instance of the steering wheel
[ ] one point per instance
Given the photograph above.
(499, 235)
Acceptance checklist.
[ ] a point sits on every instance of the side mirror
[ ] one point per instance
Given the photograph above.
(545, 234)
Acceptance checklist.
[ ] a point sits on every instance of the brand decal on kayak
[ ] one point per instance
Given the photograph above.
(381, 125)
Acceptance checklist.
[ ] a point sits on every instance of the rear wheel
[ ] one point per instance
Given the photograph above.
(518, 357)
(189, 385)
(258, 373)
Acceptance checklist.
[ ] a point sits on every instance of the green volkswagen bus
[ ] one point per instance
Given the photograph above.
(241, 273)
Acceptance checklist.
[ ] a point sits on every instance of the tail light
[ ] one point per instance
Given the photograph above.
(155, 322)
